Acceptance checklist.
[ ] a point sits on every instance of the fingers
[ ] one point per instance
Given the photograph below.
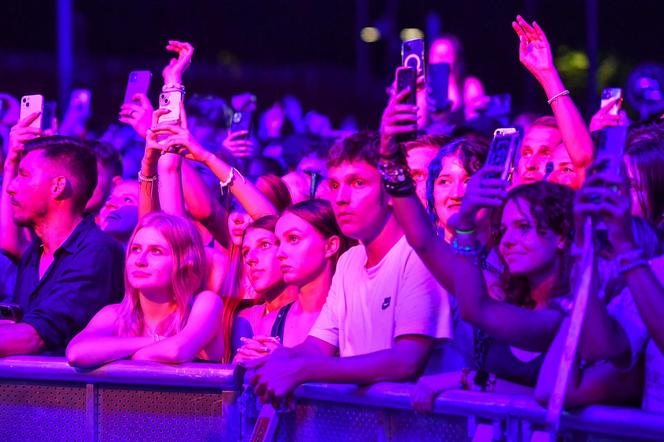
(157, 114)
(528, 30)
(251, 344)
(241, 134)
(27, 121)
(540, 33)
(142, 100)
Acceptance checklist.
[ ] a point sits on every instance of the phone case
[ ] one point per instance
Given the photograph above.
(405, 79)
(608, 94)
(503, 150)
(241, 121)
(170, 101)
(31, 104)
(138, 83)
(412, 54)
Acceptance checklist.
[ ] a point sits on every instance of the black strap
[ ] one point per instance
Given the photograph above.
(280, 322)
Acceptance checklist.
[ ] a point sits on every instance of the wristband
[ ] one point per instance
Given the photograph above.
(146, 179)
(558, 95)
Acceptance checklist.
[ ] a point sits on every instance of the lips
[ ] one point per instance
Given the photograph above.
(344, 216)
(139, 274)
(286, 268)
(255, 273)
(237, 232)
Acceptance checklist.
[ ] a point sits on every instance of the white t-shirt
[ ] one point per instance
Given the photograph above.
(367, 309)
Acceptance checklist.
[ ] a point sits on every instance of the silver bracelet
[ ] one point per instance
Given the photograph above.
(146, 179)
(558, 95)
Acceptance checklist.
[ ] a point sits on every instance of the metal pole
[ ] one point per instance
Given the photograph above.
(65, 50)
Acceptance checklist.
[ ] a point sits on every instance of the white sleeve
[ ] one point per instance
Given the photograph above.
(423, 306)
(326, 326)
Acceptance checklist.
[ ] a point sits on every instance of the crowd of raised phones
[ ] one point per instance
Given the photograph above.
(416, 252)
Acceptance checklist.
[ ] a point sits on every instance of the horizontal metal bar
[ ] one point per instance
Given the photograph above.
(193, 375)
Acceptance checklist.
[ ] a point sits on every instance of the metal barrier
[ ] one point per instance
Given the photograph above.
(43, 398)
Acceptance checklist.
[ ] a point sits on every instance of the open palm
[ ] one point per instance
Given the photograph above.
(534, 48)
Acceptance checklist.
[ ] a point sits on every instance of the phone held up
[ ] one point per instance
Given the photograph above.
(406, 80)
(242, 121)
(171, 101)
(31, 104)
(412, 55)
(138, 83)
(503, 149)
(609, 94)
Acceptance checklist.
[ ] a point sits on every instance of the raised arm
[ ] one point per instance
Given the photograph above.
(420, 232)
(12, 239)
(535, 55)
(252, 199)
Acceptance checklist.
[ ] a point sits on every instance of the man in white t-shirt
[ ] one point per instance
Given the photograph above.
(384, 309)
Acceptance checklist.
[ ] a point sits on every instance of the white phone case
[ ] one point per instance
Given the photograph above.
(31, 104)
(170, 101)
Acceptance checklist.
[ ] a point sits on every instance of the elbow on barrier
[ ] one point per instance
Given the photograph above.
(45, 398)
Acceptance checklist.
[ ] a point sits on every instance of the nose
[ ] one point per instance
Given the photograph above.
(507, 241)
(281, 255)
(533, 163)
(342, 197)
(11, 189)
(141, 260)
(251, 259)
(237, 220)
(458, 190)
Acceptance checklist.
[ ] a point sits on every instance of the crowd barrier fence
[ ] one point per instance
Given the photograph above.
(44, 399)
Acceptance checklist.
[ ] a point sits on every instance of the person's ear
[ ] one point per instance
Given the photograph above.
(60, 188)
(332, 245)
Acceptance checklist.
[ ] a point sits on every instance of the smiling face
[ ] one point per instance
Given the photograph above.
(526, 251)
(259, 250)
(303, 251)
(358, 199)
(150, 261)
(449, 188)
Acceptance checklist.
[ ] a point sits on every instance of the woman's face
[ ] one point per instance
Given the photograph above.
(303, 251)
(238, 220)
(525, 251)
(259, 250)
(149, 260)
(449, 188)
(120, 213)
(635, 189)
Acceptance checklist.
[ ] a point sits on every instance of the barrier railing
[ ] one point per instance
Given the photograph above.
(43, 398)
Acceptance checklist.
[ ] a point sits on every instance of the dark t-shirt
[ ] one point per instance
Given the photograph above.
(87, 273)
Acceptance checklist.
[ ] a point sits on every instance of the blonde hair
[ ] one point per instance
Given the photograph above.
(188, 275)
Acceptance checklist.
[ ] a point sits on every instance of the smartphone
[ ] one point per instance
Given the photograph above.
(171, 101)
(610, 149)
(138, 83)
(503, 150)
(406, 79)
(412, 55)
(609, 94)
(49, 116)
(31, 104)
(13, 312)
(438, 86)
(80, 101)
(242, 121)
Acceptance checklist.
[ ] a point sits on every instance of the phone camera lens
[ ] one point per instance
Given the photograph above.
(166, 100)
(27, 103)
(25, 100)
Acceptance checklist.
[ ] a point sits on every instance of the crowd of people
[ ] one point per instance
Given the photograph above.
(304, 253)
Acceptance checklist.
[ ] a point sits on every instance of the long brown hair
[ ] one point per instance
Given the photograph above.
(188, 275)
(551, 206)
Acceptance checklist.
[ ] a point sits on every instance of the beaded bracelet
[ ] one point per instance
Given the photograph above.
(558, 95)
(146, 179)
(396, 178)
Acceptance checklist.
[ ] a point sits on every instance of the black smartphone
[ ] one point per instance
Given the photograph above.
(438, 86)
(49, 117)
(242, 121)
(610, 149)
(503, 150)
(412, 55)
(138, 83)
(12, 312)
(406, 79)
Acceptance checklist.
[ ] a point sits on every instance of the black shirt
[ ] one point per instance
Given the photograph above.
(86, 274)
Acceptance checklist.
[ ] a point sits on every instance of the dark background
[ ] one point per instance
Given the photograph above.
(308, 47)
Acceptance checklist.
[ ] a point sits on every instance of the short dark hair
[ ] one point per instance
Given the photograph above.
(107, 155)
(427, 140)
(76, 157)
(361, 146)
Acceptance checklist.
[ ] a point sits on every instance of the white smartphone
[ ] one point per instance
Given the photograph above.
(170, 101)
(609, 94)
(31, 104)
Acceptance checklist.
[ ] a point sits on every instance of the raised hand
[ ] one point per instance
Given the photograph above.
(137, 114)
(239, 144)
(483, 191)
(173, 72)
(603, 118)
(397, 119)
(20, 134)
(534, 48)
